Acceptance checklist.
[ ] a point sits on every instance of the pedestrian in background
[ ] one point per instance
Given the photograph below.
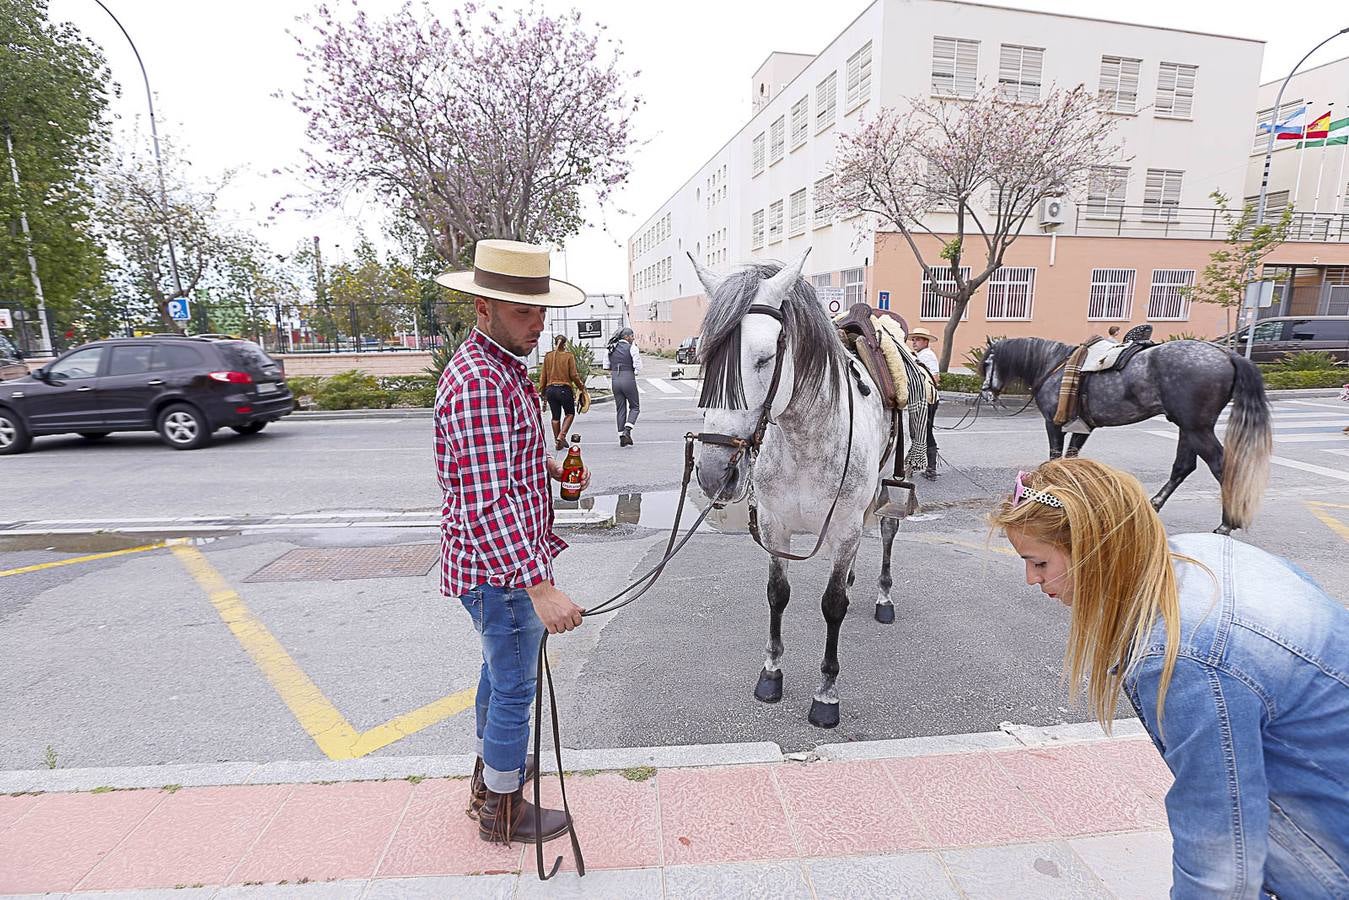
(625, 361)
(920, 341)
(1234, 660)
(558, 382)
(497, 540)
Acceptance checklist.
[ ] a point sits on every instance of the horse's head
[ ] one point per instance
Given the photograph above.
(988, 368)
(744, 340)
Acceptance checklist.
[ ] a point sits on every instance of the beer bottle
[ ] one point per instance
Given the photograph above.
(573, 470)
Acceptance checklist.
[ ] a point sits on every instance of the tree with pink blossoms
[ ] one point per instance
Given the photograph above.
(981, 165)
(492, 125)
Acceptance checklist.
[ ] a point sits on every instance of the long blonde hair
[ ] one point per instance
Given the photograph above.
(1121, 569)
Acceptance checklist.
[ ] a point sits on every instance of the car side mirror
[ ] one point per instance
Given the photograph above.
(18, 354)
(41, 374)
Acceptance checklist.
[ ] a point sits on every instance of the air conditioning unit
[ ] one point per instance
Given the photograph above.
(1051, 211)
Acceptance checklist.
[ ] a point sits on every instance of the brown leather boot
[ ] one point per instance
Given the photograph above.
(510, 817)
(477, 788)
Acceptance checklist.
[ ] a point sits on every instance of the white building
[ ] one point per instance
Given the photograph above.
(1185, 100)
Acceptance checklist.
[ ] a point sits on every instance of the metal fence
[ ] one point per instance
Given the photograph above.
(1198, 222)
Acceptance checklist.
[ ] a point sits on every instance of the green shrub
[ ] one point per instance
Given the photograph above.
(1316, 378)
(974, 357)
(1186, 336)
(970, 384)
(1305, 361)
(440, 356)
(352, 390)
(402, 383)
(304, 385)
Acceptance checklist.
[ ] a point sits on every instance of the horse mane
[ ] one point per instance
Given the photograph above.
(1027, 358)
(817, 354)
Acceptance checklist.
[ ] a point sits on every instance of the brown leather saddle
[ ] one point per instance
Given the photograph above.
(859, 336)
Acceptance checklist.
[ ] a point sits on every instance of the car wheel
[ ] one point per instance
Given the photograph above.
(250, 428)
(183, 427)
(14, 436)
(94, 435)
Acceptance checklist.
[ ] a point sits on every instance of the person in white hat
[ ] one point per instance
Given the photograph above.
(920, 341)
(497, 540)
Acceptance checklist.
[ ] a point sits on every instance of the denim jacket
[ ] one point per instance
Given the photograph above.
(1257, 726)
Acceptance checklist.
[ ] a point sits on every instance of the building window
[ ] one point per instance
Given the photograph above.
(1011, 293)
(1019, 71)
(1275, 201)
(826, 99)
(1106, 189)
(1175, 90)
(798, 213)
(756, 231)
(859, 77)
(1168, 298)
(756, 155)
(824, 201)
(1286, 112)
(955, 67)
(775, 222)
(1119, 83)
(822, 281)
(854, 287)
(1161, 194)
(932, 305)
(1112, 294)
(777, 139)
(800, 121)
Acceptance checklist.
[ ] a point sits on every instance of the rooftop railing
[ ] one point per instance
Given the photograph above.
(1096, 218)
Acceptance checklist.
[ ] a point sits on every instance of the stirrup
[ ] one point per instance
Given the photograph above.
(1077, 426)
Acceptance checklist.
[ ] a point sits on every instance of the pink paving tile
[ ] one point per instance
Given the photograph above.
(13, 808)
(1139, 762)
(847, 808)
(437, 838)
(195, 836)
(65, 835)
(617, 822)
(722, 815)
(1083, 789)
(327, 831)
(965, 799)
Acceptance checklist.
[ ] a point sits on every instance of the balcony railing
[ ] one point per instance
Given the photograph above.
(1197, 222)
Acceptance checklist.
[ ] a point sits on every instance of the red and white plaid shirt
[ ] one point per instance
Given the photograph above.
(496, 526)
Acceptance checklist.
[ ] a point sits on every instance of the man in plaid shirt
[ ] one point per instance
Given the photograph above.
(497, 543)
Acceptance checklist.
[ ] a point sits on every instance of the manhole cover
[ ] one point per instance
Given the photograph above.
(346, 563)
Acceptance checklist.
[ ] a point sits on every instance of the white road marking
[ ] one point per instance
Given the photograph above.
(663, 386)
(1339, 450)
(1338, 406)
(1278, 460)
(1308, 438)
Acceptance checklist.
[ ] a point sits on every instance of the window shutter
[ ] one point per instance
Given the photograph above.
(800, 121)
(826, 95)
(859, 77)
(777, 137)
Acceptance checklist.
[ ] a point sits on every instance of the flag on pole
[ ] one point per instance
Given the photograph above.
(1290, 128)
(1319, 128)
(1330, 133)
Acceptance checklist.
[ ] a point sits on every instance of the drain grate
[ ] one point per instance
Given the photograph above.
(349, 563)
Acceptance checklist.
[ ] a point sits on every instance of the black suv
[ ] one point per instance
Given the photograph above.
(183, 387)
(1278, 336)
(687, 351)
(11, 360)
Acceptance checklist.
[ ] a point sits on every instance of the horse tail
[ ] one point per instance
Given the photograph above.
(1247, 445)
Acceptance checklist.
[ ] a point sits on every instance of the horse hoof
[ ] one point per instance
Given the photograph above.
(885, 613)
(823, 715)
(769, 688)
(1223, 529)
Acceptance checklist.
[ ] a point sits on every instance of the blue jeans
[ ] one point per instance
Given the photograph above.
(510, 632)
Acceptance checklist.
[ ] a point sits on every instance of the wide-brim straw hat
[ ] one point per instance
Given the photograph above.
(514, 271)
(922, 332)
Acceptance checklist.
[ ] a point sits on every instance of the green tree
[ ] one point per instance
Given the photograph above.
(378, 297)
(54, 87)
(1233, 266)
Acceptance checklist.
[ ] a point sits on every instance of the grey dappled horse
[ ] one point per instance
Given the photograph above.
(1189, 382)
(802, 460)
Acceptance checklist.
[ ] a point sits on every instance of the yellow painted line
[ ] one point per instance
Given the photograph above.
(24, 570)
(1328, 520)
(328, 728)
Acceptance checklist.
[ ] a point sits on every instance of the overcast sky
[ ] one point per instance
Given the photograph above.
(215, 66)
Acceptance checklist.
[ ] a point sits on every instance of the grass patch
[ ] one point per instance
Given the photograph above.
(171, 788)
(415, 779)
(638, 773)
(50, 757)
(103, 789)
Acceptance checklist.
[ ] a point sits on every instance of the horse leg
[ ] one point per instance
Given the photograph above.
(769, 688)
(834, 604)
(1180, 470)
(1075, 444)
(1055, 439)
(1211, 449)
(885, 610)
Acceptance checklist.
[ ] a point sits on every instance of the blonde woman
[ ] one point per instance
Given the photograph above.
(1236, 662)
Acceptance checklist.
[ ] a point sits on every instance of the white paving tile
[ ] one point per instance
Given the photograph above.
(737, 881)
(1135, 866)
(908, 876)
(1026, 871)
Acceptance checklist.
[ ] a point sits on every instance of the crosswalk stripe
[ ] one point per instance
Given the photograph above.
(1308, 438)
(1338, 450)
(663, 386)
(1277, 460)
(1339, 406)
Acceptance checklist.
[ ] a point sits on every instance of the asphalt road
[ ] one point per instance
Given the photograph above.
(129, 659)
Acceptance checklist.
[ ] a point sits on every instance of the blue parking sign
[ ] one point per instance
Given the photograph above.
(178, 310)
(882, 299)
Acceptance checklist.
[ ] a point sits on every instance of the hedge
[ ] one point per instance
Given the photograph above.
(1313, 378)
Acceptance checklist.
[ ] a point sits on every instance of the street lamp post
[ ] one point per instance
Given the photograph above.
(1269, 154)
(159, 162)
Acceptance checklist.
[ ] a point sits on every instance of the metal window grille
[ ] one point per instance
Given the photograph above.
(955, 67)
(934, 306)
(756, 154)
(859, 77)
(1167, 299)
(824, 201)
(822, 281)
(826, 102)
(1161, 194)
(799, 206)
(1019, 73)
(1011, 293)
(854, 286)
(756, 230)
(1106, 188)
(1119, 83)
(777, 139)
(800, 121)
(1112, 293)
(1175, 90)
(775, 221)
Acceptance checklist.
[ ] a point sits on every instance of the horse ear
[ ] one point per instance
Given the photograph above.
(710, 282)
(988, 340)
(786, 277)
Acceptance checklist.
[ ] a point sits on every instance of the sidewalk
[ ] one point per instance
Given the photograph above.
(1061, 812)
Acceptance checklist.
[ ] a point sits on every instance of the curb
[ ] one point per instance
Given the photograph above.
(420, 412)
(1009, 737)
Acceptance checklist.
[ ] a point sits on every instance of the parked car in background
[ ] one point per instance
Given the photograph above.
(11, 360)
(687, 351)
(1280, 335)
(185, 388)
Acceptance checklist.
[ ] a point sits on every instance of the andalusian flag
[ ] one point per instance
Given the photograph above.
(1324, 132)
